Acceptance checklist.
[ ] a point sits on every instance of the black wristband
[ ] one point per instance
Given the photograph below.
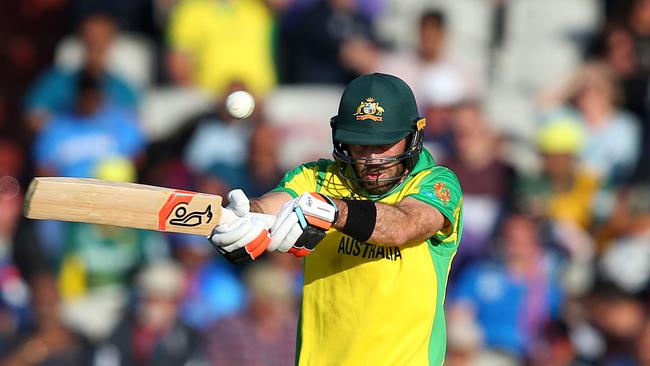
(362, 216)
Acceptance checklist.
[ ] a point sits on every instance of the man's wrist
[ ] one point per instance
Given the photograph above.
(343, 213)
(255, 205)
(360, 218)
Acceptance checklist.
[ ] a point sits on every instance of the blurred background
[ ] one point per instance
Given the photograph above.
(540, 107)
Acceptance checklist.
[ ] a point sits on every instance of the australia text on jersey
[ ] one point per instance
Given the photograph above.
(350, 246)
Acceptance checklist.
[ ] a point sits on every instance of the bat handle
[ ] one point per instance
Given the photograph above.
(228, 216)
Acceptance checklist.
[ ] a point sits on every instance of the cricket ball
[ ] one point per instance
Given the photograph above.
(240, 104)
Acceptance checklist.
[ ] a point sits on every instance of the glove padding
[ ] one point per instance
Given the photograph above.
(245, 238)
(302, 224)
(242, 240)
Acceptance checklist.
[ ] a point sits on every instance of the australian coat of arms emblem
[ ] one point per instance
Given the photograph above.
(442, 192)
(369, 109)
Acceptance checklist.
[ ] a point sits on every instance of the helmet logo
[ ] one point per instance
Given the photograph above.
(369, 109)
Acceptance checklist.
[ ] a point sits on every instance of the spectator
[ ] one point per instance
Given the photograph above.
(617, 49)
(513, 298)
(264, 333)
(12, 159)
(214, 42)
(443, 93)
(14, 294)
(218, 146)
(643, 345)
(618, 318)
(625, 259)
(97, 264)
(419, 69)
(293, 268)
(316, 42)
(554, 347)
(639, 21)
(131, 15)
(563, 191)
(263, 171)
(211, 288)
(612, 141)
(56, 91)
(29, 33)
(465, 346)
(487, 181)
(73, 143)
(153, 334)
(49, 342)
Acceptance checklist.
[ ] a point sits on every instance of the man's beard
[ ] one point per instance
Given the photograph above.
(383, 177)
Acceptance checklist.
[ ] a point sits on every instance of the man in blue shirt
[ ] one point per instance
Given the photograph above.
(513, 298)
(55, 91)
(72, 144)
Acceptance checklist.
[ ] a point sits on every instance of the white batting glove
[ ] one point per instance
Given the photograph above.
(244, 238)
(238, 203)
(302, 224)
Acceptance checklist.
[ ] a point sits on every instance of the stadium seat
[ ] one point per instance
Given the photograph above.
(302, 115)
(163, 110)
(130, 57)
(531, 20)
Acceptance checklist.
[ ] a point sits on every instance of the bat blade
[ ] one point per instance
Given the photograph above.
(123, 204)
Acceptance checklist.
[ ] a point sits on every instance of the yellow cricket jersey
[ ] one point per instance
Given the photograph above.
(228, 41)
(365, 304)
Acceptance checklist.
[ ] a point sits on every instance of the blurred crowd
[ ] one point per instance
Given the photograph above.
(543, 117)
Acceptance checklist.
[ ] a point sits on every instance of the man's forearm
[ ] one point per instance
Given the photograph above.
(395, 224)
(270, 203)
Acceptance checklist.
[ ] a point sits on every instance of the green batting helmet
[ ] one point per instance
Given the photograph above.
(377, 109)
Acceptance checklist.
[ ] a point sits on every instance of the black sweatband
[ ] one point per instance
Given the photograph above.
(362, 216)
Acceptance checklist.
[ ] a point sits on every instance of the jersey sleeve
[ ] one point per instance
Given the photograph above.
(441, 190)
(52, 93)
(299, 180)
(46, 144)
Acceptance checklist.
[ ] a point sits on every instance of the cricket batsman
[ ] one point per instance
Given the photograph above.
(378, 228)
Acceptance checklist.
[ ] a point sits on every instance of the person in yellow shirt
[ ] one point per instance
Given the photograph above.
(215, 42)
(378, 228)
(564, 191)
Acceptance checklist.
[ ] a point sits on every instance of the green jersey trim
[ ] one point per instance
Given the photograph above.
(287, 190)
(323, 165)
(438, 336)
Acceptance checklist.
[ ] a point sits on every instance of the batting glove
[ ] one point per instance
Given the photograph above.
(246, 237)
(302, 224)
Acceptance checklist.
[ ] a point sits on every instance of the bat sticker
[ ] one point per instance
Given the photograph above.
(194, 218)
(174, 212)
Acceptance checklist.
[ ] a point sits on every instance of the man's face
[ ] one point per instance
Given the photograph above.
(559, 167)
(375, 175)
(97, 34)
(520, 238)
(431, 40)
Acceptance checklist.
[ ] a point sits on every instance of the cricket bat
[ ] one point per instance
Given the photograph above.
(124, 204)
